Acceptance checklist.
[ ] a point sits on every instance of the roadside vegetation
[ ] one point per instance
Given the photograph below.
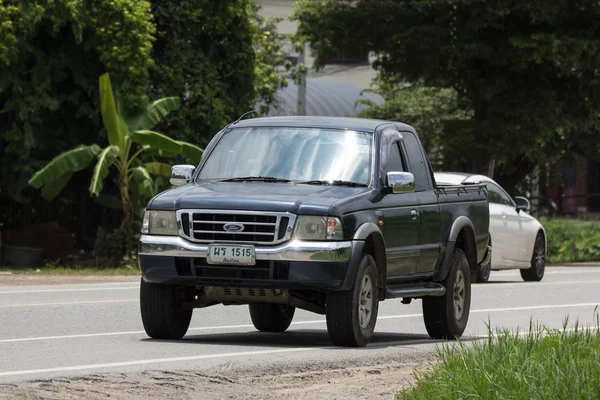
(87, 157)
(572, 240)
(542, 364)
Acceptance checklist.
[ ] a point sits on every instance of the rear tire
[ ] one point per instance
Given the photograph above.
(271, 317)
(538, 261)
(163, 314)
(446, 316)
(484, 272)
(352, 314)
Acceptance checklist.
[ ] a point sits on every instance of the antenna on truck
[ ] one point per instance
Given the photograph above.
(243, 115)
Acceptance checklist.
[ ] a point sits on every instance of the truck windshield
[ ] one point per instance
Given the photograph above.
(290, 154)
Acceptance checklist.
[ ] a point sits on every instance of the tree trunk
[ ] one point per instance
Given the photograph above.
(484, 166)
(126, 206)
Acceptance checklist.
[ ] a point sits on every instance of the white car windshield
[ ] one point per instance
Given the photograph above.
(291, 154)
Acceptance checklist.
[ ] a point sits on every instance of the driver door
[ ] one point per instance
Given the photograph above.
(401, 225)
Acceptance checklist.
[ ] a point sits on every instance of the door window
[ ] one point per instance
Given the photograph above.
(394, 163)
(498, 196)
(416, 160)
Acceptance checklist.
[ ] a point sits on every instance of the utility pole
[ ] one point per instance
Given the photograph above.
(301, 106)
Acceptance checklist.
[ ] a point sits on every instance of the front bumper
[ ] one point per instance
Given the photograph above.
(295, 264)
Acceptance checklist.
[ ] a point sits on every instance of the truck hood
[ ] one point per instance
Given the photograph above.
(256, 196)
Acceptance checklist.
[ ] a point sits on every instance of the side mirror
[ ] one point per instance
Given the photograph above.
(522, 204)
(401, 182)
(181, 174)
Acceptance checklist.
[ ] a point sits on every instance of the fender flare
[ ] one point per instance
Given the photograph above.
(358, 244)
(365, 230)
(457, 226)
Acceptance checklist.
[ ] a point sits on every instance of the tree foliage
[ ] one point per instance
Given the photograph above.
(51, 54)
(218, 57)
(428, 109)
(120, 152)
(529, 70)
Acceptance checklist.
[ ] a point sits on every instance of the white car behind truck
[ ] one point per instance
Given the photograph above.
(518, 239)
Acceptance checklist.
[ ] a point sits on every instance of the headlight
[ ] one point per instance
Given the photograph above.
(310, 227)
(159, 223)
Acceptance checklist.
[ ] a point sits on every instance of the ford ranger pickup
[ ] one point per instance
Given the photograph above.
(329, 215)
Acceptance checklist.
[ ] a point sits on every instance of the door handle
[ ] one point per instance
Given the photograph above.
(414, 213)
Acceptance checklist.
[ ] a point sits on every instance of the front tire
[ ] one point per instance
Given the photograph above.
(271, 317)
(163, 314)
(446, 316)
(351, 314)
(538, 261)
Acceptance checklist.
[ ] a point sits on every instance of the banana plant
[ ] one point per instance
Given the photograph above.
(128, 138)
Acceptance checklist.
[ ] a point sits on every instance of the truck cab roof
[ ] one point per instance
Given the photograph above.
(357, 124)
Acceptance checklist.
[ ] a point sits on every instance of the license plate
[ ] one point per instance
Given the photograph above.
(232, 255)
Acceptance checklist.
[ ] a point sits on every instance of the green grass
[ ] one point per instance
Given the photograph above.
(542, 364)
(73, 270)
(572, 240)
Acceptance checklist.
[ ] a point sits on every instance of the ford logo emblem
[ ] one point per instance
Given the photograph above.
(233, 227)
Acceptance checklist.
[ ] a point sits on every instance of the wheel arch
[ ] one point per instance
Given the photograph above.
(542, 231)
(466, 242)
(462, 235)
(368, 238)
(375, 246)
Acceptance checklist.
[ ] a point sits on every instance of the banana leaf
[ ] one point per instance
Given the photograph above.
(160, 153)
(156, 140)
(52, 189)
(105, 160)
(115, 125)
(191, 152)
(68, 162)
(109, 201)
(158, 169)
(141, 176)
(156, 111)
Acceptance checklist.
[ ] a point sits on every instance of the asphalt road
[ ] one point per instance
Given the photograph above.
(48, 331)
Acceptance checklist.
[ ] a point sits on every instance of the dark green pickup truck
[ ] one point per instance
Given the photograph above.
(330, 215)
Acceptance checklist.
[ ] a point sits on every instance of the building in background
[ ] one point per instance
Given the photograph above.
(324, 97)
(579, 192)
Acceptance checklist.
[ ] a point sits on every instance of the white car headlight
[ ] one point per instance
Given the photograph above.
(310, 227)
(159, 223)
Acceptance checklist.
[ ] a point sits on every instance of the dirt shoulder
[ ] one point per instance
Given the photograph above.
(14, 279)
(348, 380)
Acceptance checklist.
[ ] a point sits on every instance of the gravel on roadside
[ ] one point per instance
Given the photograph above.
(366, 378)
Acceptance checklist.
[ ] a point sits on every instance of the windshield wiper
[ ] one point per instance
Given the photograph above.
(253, 178)
(333, 183)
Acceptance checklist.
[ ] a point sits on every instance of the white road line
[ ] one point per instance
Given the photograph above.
(68, 290)
(515, 272)
(537, 307)
(321, 321)
(153, 361)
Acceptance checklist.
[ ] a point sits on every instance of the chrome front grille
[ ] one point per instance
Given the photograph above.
(208, 226)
